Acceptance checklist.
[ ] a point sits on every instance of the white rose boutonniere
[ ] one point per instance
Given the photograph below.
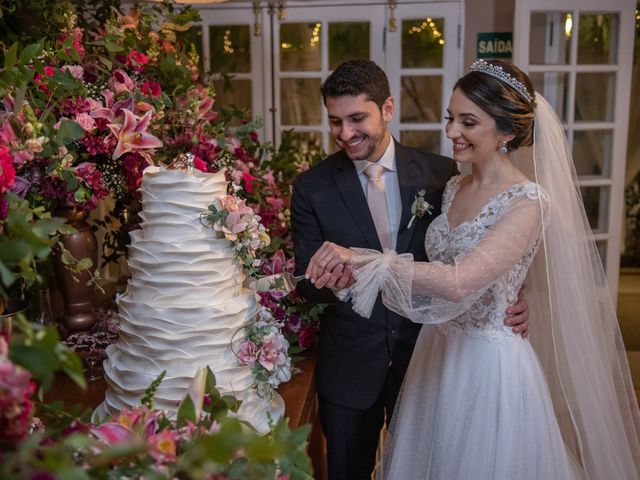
(419, 208)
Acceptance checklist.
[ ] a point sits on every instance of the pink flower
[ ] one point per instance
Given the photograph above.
(131, 135)
(7, 170)
(278, 264)
(76, 70)
(112, 433)
(85, 121)
(306, 337)
(151, 89)
(121, 82)
(271, 353)
(16, 387)
(163, 446)
(248, 352)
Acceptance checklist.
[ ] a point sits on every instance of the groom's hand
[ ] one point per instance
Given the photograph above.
(325, 260)
(518, 314)
(339, 278)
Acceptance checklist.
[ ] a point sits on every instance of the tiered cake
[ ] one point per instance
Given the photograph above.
(184, 305)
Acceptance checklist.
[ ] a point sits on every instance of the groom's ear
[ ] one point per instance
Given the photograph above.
(387, 109)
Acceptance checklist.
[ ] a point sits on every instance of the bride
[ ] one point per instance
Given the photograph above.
(478, 401)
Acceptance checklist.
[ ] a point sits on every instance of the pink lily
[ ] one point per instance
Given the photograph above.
(112, 433)
(131, 135)
(121, 82)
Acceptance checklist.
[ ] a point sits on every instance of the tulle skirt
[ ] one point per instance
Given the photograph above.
(475, 408)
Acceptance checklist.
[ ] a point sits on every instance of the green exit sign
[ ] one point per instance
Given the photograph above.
(495, 45)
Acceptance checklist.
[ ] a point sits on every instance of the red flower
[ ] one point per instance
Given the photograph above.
(151, 89)
(306, 337)
(200, 164)
(248, 182)
(137, 60)
(7, 170)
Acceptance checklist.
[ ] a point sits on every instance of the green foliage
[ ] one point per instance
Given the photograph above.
(29, 237)
(28, 21)
(38, 349)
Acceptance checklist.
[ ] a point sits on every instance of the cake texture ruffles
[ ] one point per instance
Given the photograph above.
(185, 306)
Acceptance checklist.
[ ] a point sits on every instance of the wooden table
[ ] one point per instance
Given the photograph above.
(299, 397)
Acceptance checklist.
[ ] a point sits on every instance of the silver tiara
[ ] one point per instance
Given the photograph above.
(497, 72)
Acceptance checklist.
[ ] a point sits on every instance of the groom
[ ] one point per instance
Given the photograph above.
(361, 362)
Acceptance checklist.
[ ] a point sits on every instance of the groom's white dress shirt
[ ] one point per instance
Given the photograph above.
(392, 194)
(391, 186)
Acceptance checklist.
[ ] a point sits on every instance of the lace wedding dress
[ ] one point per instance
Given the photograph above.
(475, 402)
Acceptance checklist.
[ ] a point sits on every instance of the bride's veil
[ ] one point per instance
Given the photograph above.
(573, 323)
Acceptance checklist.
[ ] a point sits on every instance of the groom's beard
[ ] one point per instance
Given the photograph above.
(372, 142)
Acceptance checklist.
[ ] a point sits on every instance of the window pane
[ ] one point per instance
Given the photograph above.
(595, 95)
(233, 92)
(229, 48)
(550, 38)
(300, 101)
(422, 43)
(428, 140)
(592, 152)
(421, 99)
(598, 38)
(553, 86)
(596, 204)
(300, 47)
(347, 40)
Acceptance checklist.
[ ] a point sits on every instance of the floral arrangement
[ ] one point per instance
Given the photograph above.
(237, 222)
(204, 441)
(266, 350)
(84, 114)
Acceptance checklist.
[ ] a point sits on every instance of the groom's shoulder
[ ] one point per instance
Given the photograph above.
(431, 165)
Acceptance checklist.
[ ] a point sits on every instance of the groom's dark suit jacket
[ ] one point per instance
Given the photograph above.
(329, 203)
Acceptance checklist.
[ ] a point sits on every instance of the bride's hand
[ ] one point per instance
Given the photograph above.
(328, 256)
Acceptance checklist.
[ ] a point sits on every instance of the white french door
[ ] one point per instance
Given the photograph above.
(578, 54)
(278, 73)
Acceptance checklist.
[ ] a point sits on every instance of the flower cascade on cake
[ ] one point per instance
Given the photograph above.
(184, 304)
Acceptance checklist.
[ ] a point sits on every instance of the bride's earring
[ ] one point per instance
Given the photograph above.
(503, 147)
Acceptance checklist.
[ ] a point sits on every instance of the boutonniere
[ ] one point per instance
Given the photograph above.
(419, 208)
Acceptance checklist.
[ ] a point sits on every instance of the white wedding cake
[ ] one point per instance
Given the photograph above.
(185, 304)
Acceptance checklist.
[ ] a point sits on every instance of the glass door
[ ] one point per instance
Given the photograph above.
(424, 60)
(308, 45)
(578, 54)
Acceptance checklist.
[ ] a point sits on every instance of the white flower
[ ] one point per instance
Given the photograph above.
(419, 208)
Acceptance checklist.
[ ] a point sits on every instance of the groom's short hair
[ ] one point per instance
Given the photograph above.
(355, 77)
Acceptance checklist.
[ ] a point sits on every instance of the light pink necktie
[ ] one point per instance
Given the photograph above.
(377, 201)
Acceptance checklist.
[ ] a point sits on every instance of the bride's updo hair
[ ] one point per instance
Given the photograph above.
(511, 110)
